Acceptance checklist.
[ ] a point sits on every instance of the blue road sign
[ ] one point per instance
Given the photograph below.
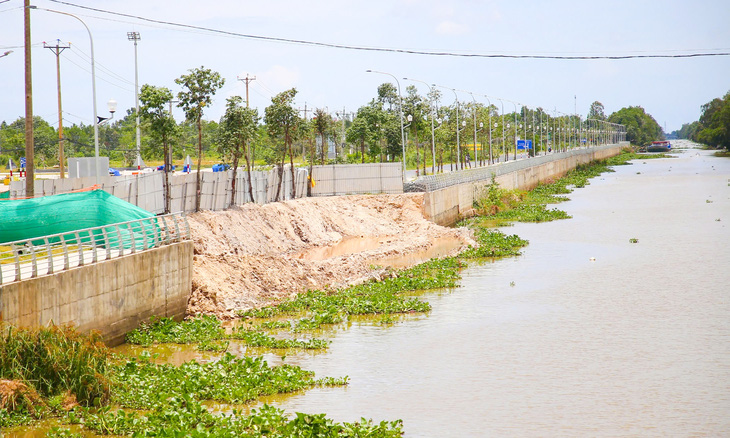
(22, 162)
(521, 144)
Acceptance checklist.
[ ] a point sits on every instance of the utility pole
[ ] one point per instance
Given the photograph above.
(29, 169)
(246, 80)
(305, 111)
(57, 49)
(134, 36)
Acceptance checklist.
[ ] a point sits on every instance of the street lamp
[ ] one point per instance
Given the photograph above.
(489, 115)
(112, 106)
(93, 86)
(6, 53)
(134, 36)
(506, 154)
(400, 111)
(433, 116)
(458, 152)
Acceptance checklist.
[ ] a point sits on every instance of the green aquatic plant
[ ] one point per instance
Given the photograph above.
(145, 385)
(494, 243)
(166, 330)
(184, 416)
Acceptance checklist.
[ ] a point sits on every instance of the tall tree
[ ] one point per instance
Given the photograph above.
(236, 131)
(282, 120)
(596, 111)
(158, 120)
(200, 85)
(641, 128)
(322, 124)
(714, 123)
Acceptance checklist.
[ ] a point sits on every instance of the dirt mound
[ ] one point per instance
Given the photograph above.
(255, 255)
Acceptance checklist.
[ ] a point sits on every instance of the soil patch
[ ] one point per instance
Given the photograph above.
(255, 255)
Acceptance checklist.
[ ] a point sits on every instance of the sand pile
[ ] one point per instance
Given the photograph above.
(255, 255)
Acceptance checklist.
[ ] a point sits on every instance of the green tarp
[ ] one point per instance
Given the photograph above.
(23, 219)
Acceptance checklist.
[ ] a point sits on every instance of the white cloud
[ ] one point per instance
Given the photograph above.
(451, 28)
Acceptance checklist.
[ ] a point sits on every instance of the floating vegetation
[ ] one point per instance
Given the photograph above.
(633, 240)
(232, 380)
(184, 416)
(499, 207)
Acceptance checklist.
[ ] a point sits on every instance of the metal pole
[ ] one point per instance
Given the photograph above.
(489, 115)
(515, 121)
(93, 88)
(506, 154)
(134, 36)
(29, 168)
(433, 116)
(458, 143)
(400, 110)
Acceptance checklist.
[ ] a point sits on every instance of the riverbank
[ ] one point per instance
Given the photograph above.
(256, 255)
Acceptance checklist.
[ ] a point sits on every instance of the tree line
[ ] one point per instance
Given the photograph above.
(281, 136)
(713, 126)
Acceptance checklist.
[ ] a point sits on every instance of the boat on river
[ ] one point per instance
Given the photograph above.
(659, 146)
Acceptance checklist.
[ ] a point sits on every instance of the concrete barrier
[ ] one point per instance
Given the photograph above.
(448, 205)
(112, 296)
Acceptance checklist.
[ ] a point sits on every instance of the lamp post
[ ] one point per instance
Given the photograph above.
(400, 111)
(489, 115)
(433, 116)
(458, 144)
(515, 117)
(506, 154)
(93, 86)
(134, 36)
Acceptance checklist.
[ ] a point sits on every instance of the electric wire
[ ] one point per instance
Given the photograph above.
(390, 49)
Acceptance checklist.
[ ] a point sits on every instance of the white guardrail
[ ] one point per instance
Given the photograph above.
(46, 255)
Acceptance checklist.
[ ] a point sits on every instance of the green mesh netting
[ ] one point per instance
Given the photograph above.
(24, 219)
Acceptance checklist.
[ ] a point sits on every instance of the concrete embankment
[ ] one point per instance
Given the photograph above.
(112, 297)
(447, 205)
(252, 255)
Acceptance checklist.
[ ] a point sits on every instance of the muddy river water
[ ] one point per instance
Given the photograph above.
(585, 334)
(613, 323)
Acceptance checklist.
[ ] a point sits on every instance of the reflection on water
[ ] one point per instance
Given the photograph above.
(585, 334)
(439, 248)
(636, 342)
(348, 245)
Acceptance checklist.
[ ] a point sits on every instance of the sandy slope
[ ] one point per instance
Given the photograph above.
(253, 255)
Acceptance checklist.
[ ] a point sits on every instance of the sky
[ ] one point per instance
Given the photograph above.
(671, 90)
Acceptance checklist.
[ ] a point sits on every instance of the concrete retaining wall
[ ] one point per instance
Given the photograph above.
(112, 296)
(446, 206)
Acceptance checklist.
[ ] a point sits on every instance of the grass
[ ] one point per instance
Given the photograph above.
(498, 207)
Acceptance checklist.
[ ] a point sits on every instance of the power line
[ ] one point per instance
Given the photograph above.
(392, 50)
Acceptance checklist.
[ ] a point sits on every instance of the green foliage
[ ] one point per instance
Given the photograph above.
(233, 380)
(44, 364)
(165, 330)
(494, 243)
(641, 128)
(200, 85)
(713, 128)
(596, 111)
(185, 416)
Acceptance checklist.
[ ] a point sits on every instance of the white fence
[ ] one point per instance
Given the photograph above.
(46, 255)
(146, 190)
(357, 179)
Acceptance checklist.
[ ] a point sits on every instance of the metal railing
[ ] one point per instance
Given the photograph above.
(431, 183)
(47, 255)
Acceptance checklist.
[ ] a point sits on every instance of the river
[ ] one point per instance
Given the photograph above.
(585, 334)
(613, 323)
